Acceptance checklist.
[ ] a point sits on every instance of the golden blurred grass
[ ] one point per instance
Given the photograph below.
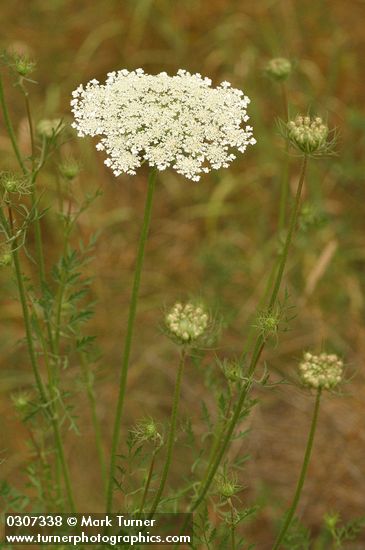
(214, 238)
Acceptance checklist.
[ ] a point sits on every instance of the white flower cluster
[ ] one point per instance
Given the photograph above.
(187, 322)
(178, 121)
(321, 371)
(309, 134)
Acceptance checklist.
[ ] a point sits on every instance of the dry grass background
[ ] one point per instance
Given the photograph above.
(214, 238)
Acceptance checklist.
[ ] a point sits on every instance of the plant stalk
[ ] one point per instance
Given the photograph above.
(259, 346)
(303, 473)
(171, 435)
(129, 335)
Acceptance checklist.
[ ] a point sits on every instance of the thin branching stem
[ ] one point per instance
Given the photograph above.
(171, 435)
(284, 187)
(290, 514)
(94, 415)
(33, 357)
(259, 346)
(148, 481)
(129, 335)
(10, 129)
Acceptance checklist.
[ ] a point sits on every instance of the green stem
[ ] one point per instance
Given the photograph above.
(284, 188)
(10, 129)
(303, 473)
(95, 420)
(129, 335)
(218, 434)
(171, 435)
(33, 357)
(148, 481)
(259, 346)
(233, 527)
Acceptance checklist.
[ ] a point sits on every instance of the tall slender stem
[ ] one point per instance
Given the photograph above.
(284, 188)
(10, 129)
(148, 481)
(129, 335)
(259, 346)
(171, 436)
(303, 473)
(34, 361)
(49, 407)
(94, 416)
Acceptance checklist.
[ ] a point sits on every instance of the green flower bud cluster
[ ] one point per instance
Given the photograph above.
(308, 134)
(5, 256)
(146, 430)
(22, 64)
(21, 401)
(187, 322)
(278, 68)
(232, 370)
(10, 182)
(69, 169)
(227, 487)
(321, 371)
(48, 128)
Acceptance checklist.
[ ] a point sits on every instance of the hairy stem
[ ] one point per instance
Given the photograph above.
(129, 335)
(303, 473)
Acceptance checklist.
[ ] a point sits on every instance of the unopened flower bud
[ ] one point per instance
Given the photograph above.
(321, 371)
(23, 64)
(278, 68)
(232, 370)
(48, 128)
(11, 182)
(308, 134)
(5, 258)
(187, 322)
(227, 487)
(69, 169)
(21, 400)
(146, 430)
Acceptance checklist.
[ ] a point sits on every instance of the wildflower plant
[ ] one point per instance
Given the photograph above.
(167, 121)
(178, 122)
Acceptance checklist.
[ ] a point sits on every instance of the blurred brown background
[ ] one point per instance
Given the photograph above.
(213, 239)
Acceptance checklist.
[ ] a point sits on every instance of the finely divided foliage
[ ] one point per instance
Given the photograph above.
(175, 121)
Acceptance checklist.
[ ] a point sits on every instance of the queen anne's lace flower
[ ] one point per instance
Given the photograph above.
(321, 371)
(187, 322)
(308, 134)
(178, 121)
